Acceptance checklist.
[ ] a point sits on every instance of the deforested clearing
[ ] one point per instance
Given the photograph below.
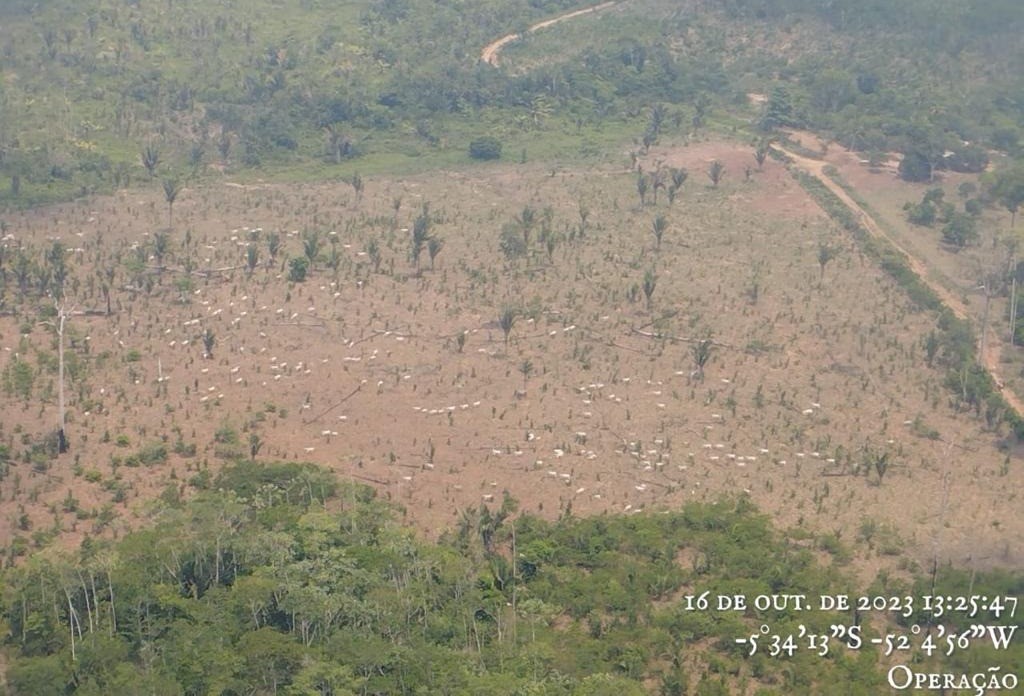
(508, 327)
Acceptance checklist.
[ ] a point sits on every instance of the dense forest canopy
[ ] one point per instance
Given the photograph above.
(322, 86)
(284, 580)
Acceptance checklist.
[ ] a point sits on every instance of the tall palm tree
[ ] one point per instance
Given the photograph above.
(659, 226)
(650, 283)
(311, 246)
(420, 235)
(172, 187)
(506, 320)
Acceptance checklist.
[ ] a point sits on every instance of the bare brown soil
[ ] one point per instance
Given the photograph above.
(990, 349)
(360, 371)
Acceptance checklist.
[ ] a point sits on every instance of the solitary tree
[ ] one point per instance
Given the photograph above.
(506, 320)
(701, 355)
(1008, 189)
(22, 268)
(420, 236)
(715, 172)
(255, 445)
(526, 368)
(208, 342)
(650, 283)
(298, 267)
(877, 461)
(373, 251)
(107, 277)
(105, 291)
(358, 184)
(62, 314)
(550, 242)
(56, 264)
(511, 242)
(334, 257)
(648, 139)
(960, 230)
(657, 182)
(881, 466)
(434, 246)
(825, 254)
(778, 111)
(172, 187)
(195, 157)
(642, 185)
(252, 257)
(679, 176)
(311, 246)
(526, 221)
(539, 110)
(659, 226)
(584, 213)
(339, 145)
(150, 159)
(967, 189)
(273, 245)
(761, 153)
(161, 245)
(44, 278)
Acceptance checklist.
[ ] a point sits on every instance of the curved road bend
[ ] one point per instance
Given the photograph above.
(491, 50)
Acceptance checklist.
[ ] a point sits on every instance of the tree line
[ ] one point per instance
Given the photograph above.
(282, 579)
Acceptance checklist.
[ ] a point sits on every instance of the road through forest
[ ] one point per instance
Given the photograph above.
(989, 357)
(491, 50)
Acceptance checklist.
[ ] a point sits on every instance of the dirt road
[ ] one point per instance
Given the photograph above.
(990, 358)
(992, 348)
(491, 50)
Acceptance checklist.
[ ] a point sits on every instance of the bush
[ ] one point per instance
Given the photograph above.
(960, 230)
(923, 213)
(915, 166)
(152, 453)
(511, 242)
(184, 449)
(970, 159)
(297, 269)
(18, 378)
(485, 148)
(226, 435)
(252, 479)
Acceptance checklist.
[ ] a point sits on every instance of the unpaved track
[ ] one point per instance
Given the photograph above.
(990, 356)
(990, 359)
(491, 50)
